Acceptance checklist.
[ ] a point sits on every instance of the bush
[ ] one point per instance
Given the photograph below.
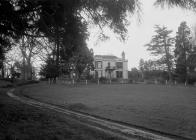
(93, 80)
(115, 80)
(6, 79)
(102, 79)
(192, 78)
(5, 83)
(43, 79)
(21, 83)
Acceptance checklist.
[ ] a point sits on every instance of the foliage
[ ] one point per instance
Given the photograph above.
(62, 21)
(80, 62)
(49, 69)
(103, 80)
(152, 70)
(2, 57)
(183, 48)
(149, 65)
(187, 4)
(160, 45)
(134, 74)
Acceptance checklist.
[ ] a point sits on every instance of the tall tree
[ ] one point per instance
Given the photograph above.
(141, 67)
(53, 18)
(187, 4)
(2, 57)
(81, 60)
(4, 48)
(64, 23)
(183, 48)
(49, 70)
(160, 45)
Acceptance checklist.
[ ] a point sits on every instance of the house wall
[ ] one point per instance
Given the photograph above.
(102, 73)
(125, 70)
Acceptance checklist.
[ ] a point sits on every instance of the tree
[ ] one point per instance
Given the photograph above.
(193, 34)
(160, 45)
(141, 67)
(3, 51)
(49, 70)
(2, 57)
(81, 60)
(134, 74)
(187, 4)
(62, 19)
(183, 48)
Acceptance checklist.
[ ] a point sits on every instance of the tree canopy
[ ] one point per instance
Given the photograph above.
(19, 16)
(160, 45)
(187, 4)
(183, 48)
(64, 22)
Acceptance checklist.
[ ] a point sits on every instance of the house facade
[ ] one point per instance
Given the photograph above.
(110, 66)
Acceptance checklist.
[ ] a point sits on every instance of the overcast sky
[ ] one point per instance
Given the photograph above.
(141, 33)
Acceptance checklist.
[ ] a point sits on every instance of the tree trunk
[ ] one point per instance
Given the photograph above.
(168, 62)
(24, 77)
(57, 49)
(2, 71)
(186, 72)
(29, 69)
(23, 70)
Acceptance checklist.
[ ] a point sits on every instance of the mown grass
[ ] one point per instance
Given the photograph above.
(168, 109)
(22, 122)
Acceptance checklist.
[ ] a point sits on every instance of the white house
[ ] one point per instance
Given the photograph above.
(110, 66)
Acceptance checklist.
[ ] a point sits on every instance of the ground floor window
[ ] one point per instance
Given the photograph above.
(119, 74)
(98, 74)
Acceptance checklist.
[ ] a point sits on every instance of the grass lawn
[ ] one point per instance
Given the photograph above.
(170, 109)
(23, 122)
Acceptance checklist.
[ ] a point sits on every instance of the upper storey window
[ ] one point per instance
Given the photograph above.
(119, 65)
(98, 64)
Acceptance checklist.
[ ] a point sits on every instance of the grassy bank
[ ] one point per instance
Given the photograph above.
(23, 122)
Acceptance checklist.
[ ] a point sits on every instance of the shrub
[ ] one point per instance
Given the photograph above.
(103, 80)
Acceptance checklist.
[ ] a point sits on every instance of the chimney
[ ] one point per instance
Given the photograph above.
(123, 55)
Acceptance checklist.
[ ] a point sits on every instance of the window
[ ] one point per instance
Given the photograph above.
(98, 64)
(109, 64)
(99, 74)
(119, 74)
(119, 65)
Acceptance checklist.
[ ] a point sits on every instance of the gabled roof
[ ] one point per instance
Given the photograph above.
(106, 56)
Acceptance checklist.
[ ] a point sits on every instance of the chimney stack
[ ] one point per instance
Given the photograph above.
(123, 55)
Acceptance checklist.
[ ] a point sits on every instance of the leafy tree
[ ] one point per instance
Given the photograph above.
(134, 74)
(141, 67)
(187, 4)
(160, 45)
(29, 48)
(183, 48)
(2, 57)
(62, 21)
(3, 50)
(193, 34)
(81, 61)
(151, 69)
(49, 70)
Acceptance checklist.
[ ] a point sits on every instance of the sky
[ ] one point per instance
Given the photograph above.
(140, 33)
